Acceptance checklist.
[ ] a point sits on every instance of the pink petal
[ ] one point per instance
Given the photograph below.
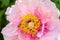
(46, 11)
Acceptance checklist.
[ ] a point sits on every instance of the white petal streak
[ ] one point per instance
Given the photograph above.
(9, 10)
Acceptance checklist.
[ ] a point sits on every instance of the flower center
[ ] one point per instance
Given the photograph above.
(30, 24)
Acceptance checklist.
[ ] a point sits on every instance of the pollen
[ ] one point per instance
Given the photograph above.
(30, 24)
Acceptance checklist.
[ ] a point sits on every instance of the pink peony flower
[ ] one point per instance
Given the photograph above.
(32, 20)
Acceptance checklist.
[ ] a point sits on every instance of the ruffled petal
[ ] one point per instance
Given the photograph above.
(10, 32)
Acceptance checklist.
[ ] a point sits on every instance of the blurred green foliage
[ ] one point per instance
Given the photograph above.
(57, 3)
(7, 3)
(3, 6)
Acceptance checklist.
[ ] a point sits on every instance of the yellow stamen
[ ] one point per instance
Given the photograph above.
(30, 24)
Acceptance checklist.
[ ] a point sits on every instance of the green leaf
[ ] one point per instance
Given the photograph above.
(1, 37)
(5, 3)
(57, 3)
(3, 6)
(12, 2)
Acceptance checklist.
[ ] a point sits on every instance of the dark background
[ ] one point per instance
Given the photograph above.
(7, 3)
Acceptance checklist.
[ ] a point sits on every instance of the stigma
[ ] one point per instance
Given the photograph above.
(31, 25)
